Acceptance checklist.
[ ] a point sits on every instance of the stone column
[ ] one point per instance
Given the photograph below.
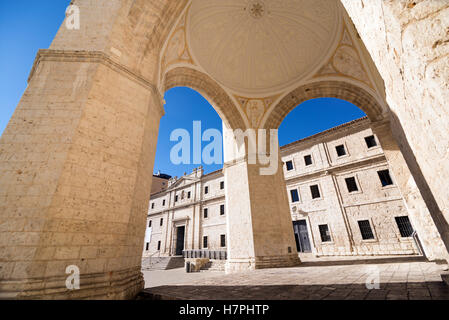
(76, 162)
(259, 224)
(424, 215)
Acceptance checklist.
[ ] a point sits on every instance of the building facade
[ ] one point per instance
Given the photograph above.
(343, 201)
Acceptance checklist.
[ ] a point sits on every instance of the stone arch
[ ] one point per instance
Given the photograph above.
(211, 91)
(325, 89)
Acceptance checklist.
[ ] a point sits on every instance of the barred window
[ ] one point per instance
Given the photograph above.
(223, 240)
(351, 184)
(295, 195)
(315, 192)
(365, 230)
(405, 227)
(385, 178)
(308, 160)
(341, 151)
(371, 142)
(325, 233)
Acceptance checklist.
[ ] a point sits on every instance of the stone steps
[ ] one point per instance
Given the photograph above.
(162, 263)
(214, 266)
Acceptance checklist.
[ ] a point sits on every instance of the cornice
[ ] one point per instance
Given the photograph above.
(97, 57)
(338, 168)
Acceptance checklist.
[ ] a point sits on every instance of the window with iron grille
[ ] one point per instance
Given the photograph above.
(371, 142)
(206, 190)
(222, 210)
(385, 178)
(341, 151)
(206, 213)
(162, 222)
(205, 242)
(325, 233)
(289, 165)
(351, 184)
(158, 246)
(365, 230)
(405, 227)
(315, 192)
(222, 185)
(308, 160)
(295, 195)
(223, 240)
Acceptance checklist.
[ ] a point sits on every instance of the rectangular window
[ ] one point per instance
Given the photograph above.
(206, 190)
(163, 202)
(405, 227)
(341, 151)
(385, 178)
(152, 206)
(147, 246)
(206, 213)
(289, 165)
(222, 185)
(371, 142)
(365, 230)
(295, 195)
(189, 195)
(150, 223)
(315, 192)
(176, 198)
(351, 184)
(205, 242)
(223, 240)
(308, 160)
(222, 210)
(325, 233)
(159, 246)
(162, 222)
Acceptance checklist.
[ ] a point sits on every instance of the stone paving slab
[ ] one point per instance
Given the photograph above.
(398, 281)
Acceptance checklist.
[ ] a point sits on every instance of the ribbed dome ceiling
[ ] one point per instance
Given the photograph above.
(259, 46)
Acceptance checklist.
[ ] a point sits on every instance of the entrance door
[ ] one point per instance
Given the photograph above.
(302, 236)
(180, 240)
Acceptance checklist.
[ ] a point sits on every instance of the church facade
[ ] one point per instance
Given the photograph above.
(343, 199)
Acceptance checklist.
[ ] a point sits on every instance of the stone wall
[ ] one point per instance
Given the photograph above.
(408, 42)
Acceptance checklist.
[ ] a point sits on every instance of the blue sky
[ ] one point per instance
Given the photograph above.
(27, 26)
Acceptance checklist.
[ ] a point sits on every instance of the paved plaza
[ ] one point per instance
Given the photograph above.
(320, 280)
